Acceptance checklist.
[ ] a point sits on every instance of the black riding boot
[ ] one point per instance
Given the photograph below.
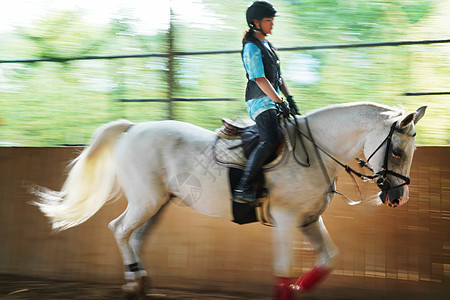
(243, 192)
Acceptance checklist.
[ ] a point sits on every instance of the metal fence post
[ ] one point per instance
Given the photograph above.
(170, 65)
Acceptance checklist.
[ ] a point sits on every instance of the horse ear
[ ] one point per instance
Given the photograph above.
(415, 116)
(420, 112)
(408, 119)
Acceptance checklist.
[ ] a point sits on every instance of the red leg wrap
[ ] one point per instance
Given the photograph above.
(309, 280)
(283, 288)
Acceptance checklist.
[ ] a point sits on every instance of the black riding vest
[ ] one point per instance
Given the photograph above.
(271, 64)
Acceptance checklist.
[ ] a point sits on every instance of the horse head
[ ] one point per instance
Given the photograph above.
(392, 159)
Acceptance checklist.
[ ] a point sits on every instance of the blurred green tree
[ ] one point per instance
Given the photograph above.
(59, 103)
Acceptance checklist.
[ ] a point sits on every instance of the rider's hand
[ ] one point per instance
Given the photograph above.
(283, 108)
(292, 105)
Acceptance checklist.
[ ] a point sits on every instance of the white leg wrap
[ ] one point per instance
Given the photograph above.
(130, 276)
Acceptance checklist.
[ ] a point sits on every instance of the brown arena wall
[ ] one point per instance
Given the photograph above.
(405, 248)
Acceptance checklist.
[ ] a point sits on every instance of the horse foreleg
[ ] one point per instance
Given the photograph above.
(320, 240)
(283, 238)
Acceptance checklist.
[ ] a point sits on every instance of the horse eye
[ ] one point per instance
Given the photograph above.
(396, 153)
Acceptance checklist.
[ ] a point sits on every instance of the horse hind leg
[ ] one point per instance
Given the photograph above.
(136, 240)
(139, 235)
(129, 230)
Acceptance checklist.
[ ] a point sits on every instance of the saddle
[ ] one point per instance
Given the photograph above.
(231, 129)
(235, 143)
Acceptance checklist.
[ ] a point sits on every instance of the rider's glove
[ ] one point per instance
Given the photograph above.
(283, 108)
(292, 105)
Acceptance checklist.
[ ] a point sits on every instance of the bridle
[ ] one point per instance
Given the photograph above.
(380, 177)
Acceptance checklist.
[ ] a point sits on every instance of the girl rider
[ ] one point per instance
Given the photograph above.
(262, 93)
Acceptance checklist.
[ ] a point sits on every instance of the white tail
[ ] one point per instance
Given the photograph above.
(90, 183)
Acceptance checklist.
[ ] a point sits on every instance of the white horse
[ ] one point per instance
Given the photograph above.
(144, 162)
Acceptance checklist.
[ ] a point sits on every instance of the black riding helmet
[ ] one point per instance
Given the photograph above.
(258, 10)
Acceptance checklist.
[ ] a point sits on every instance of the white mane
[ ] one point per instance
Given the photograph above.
(389, 112)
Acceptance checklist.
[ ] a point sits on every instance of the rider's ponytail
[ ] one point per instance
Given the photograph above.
(247, 34)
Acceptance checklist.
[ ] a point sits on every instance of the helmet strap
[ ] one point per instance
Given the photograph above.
(253, 26)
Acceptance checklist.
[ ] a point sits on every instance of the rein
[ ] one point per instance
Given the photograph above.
(380, 177)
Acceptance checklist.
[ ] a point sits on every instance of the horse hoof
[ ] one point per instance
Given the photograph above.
(312, 278)
(145, 285)
(136, 288)
(131, 288)
(284, 289)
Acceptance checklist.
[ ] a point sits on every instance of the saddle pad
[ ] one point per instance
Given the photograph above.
(230, 153)
(244, 213)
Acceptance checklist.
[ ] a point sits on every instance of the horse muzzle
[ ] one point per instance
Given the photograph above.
(396, 196)
(393, 193)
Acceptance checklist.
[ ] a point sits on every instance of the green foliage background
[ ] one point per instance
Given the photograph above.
(56, 103)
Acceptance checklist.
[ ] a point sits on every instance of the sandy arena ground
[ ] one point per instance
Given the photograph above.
(20, 287)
